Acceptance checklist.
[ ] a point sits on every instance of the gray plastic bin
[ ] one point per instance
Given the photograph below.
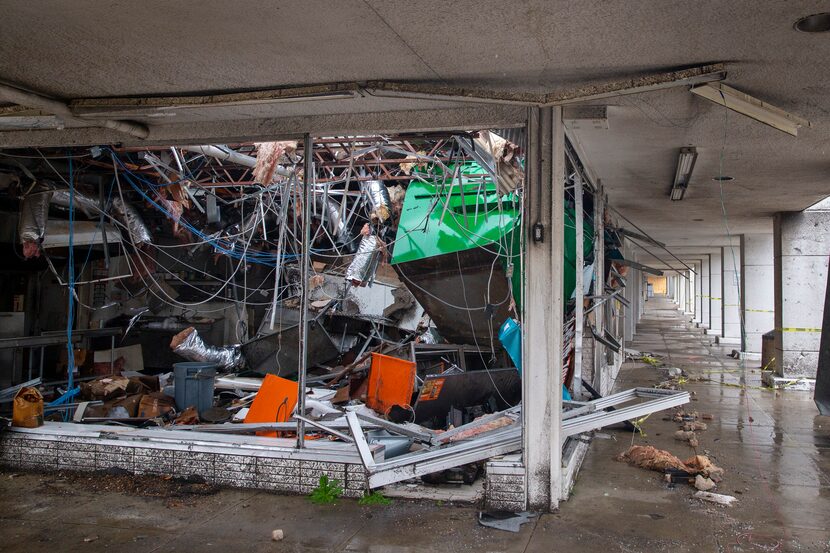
(194, 382)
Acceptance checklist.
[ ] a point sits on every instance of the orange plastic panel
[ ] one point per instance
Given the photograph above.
(391, 382)
(274, 402)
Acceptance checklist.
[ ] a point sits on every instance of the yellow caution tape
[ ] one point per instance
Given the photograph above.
(799, 329)
(760, 310)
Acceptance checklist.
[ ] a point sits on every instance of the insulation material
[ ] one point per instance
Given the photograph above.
(31, 227)
(378, 197)
(362, 268)
(190, 345)
(651, 458)
(506, 160)
(268, 159)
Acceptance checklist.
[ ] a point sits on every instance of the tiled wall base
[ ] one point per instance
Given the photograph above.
(259, 470)
(504, 488)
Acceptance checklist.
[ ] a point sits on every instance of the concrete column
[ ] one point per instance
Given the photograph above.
(699, 292)
(543, 309)
(731, 305)
(630, 314)
(758, 290)
(643, 295)
(696, 293)
(705, 299)
(599, 281)
(688, 307)
(801, 245)
(716, 294)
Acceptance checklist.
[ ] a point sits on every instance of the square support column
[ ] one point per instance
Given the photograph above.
(630, 314)
(801, 245)
(716, 294)
(731, 305)
(599, 282)
(705, 297)
(543, 309)
(698, 292)
(758, 290)
(688, 307)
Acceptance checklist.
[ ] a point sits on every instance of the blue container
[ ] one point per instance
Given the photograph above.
(510, 336)
(194, 382)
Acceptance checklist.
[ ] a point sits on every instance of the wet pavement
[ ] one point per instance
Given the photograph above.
(774, 448)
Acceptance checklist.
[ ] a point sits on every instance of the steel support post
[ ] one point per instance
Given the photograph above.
(307, 176)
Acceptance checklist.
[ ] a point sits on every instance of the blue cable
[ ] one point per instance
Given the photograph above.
(223, 246)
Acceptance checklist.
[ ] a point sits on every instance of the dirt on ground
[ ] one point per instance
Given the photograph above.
(175, 491)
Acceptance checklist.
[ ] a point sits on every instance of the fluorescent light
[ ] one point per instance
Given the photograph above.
(751, 107)
(683, 174)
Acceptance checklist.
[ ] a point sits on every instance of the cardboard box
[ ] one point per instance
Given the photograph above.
(155, 405)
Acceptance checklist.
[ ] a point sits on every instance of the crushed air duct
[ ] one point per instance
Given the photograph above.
(378, 197)
(130, 218)
(362, 268)
(190, 345)
(334, 222)
(31, 227)
(35, 210)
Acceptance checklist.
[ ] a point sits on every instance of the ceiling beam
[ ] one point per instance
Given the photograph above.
(63, 111)
(281, 128)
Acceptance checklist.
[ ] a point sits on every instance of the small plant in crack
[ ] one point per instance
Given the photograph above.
(326, 492)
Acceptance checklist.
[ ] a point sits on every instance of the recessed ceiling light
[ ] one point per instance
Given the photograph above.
(722, 178)
(816, 23)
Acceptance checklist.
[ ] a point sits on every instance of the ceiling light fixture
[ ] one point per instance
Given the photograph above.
(751, 107)
(685, 165)
(816, 23)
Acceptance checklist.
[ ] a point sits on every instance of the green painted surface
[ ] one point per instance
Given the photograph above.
(439, 217)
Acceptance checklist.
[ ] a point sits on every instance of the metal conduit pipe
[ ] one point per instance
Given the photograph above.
(231, 156)
(61, 110)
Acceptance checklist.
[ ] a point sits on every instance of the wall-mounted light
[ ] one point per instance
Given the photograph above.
(683, 174)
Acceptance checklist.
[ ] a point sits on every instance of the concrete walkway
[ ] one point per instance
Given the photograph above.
(774, 447)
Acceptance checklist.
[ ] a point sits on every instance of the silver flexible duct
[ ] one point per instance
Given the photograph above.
(34, 213)
(89, 207)
(334, 222)
(365, 263)
(191, 346)
(131, 218)
(378, 197)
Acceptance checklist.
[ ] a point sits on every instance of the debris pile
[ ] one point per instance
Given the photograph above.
(361, 290)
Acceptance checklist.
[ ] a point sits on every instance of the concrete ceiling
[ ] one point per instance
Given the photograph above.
(87, 49)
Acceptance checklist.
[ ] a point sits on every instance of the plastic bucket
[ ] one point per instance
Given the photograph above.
(194, 382)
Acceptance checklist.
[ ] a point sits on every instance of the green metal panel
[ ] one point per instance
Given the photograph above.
(443, 215)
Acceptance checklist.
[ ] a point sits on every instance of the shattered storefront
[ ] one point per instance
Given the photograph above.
(262, 314)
